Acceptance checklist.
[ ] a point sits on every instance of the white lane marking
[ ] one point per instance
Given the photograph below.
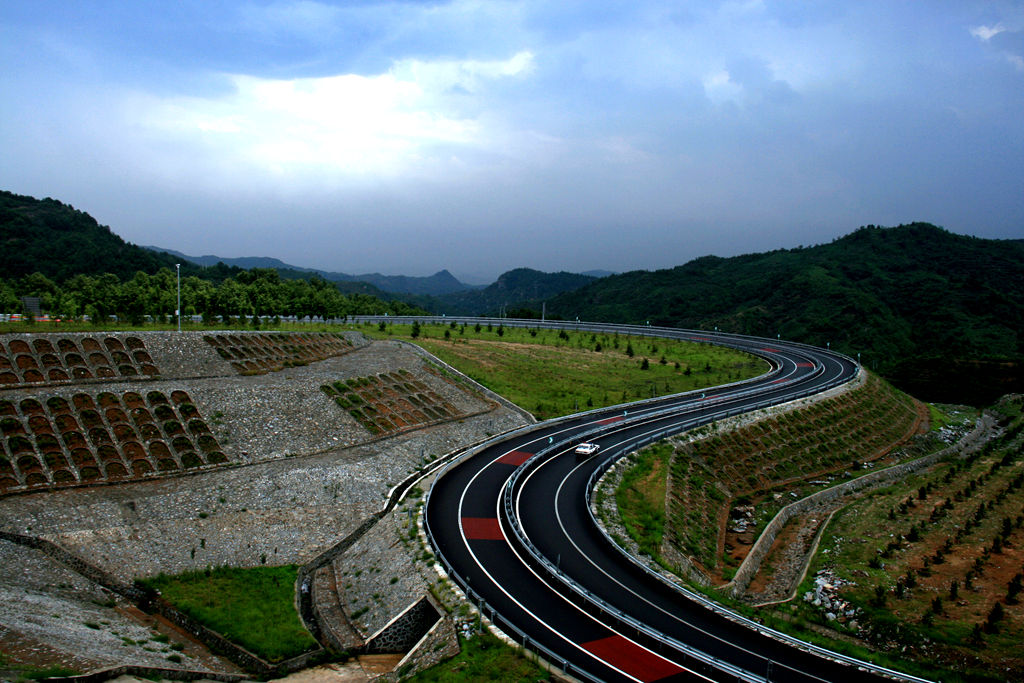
(528, 611)
(498, 503)
(568, 537)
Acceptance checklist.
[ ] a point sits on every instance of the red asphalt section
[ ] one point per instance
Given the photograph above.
(805, 365)
(482, 529)
(609, 420)
(631, 658)
(515, 458)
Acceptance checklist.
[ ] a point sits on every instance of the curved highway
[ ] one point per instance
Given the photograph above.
(512, 524)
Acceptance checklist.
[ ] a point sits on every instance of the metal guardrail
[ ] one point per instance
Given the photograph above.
(722, 339)
(543, 562)
(621, 450)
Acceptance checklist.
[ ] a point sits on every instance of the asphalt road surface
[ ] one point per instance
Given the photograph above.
(512, 525)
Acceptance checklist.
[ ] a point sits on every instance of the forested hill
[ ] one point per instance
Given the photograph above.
(77, 267)
(940, 314)
(52, 238)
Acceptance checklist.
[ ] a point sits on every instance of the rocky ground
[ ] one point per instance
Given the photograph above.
(303, 475)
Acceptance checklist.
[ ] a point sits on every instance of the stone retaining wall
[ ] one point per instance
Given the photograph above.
(441, 642)
(303, 475)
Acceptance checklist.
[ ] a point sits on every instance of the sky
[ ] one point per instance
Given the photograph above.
(479, 136)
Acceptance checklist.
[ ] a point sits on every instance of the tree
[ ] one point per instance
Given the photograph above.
(994, 617)
(415, 329)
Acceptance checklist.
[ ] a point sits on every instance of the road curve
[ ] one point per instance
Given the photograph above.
(512, 525)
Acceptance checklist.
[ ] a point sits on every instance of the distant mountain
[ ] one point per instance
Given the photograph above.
(522, 288)
(940, 314)
(245, 262)
(439, 283)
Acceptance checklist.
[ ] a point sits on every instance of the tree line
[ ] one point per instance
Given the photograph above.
(260, 291)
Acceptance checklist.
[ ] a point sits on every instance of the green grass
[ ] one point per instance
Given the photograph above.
(34, 674)
(251, 607)
(484, 658)
(641, 497)
(552, 373)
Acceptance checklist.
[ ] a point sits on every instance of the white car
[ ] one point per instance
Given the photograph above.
(587, 449)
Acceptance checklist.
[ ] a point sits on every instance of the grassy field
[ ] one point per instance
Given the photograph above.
(640, 497)
(552, 373)
(251, 607)
(484, 658)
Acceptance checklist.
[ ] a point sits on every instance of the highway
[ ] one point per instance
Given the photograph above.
(511, 523)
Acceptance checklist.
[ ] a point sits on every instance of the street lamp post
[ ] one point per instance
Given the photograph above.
(177, 312)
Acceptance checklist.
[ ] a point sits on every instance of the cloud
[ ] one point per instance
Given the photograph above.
(348, 125)
(985, 33)
(470, 131)
(1009, 43)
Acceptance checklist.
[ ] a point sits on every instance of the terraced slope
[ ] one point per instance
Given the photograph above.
(390, 401)
(938, 561)
(102, 437)
(758, 466)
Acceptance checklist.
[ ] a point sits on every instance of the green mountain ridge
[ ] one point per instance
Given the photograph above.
(940, 314)
(49, 237)
(77, 267)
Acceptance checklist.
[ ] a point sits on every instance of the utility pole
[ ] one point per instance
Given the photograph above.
(177, 312)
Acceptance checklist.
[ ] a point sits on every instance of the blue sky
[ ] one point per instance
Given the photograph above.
(478, 136)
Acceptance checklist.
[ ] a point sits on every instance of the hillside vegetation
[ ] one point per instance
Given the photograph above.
(933, 566)
(759, 465)
(49, 237)
(938, 314)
